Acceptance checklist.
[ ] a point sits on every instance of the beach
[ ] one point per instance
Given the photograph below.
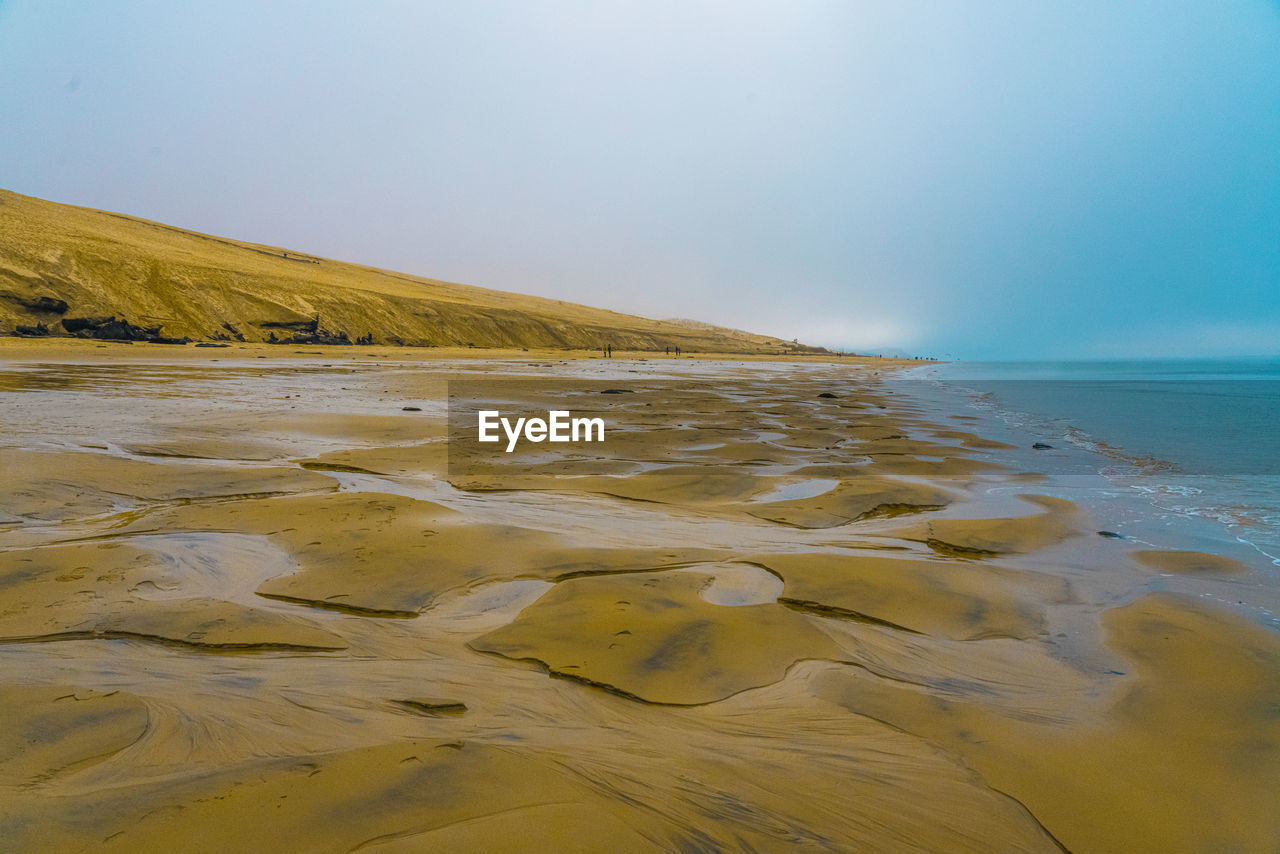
(257, 597)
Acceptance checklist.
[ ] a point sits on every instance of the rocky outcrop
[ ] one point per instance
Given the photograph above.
(113, 329)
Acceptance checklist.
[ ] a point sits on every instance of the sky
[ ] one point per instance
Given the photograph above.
(977, 180)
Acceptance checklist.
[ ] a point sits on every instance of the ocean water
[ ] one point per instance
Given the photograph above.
(1198, 441)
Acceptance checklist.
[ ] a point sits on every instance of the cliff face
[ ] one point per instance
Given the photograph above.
(103, 265)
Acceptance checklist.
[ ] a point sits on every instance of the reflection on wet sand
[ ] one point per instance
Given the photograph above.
(769, 620)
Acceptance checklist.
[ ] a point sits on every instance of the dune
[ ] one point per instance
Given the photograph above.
(59, 261)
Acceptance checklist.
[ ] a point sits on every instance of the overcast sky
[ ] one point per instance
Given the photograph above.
(980, 179)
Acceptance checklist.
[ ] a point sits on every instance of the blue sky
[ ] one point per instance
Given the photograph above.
(979, 179)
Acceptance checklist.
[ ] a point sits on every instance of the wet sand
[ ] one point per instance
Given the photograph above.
(248, 601)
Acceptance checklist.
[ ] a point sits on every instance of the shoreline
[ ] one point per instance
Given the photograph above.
(1232, 509)
(825, 581)
(65, 349)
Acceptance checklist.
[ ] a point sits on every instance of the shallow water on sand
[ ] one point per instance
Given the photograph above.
(252, 604)
(1195, 437)
(1166, 452)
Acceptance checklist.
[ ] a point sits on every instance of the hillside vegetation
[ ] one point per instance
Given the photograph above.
(198, 286)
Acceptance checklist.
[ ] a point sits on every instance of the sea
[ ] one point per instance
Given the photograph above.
(1181, 453)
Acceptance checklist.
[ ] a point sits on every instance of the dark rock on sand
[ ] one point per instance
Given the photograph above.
(828, 395)
(116, 329)
(322, 337)
(37, 331)
(305, 332)
(123, 330)
(617, 391)
(1111, 534)
(82, 324)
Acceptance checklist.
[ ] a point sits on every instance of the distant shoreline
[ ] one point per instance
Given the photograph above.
(66, 349)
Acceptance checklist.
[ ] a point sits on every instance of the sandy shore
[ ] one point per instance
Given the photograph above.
(251, 599)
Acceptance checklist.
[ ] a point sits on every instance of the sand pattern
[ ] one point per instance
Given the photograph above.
(276, 611)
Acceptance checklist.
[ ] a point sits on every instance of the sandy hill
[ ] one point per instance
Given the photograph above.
(103, 264)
